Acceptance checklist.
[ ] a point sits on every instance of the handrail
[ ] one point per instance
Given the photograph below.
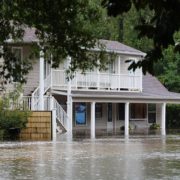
(61, 115)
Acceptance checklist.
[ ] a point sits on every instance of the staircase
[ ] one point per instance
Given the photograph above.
(50, 103)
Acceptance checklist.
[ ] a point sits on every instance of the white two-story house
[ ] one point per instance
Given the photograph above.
(97, 100)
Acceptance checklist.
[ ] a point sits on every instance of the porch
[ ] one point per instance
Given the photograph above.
(95, 118)
(96, 81)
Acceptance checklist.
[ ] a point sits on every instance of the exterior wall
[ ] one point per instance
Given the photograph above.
(33, 75)
(39, 127)
(100, 123)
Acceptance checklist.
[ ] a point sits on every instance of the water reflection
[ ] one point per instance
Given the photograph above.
(138, 158)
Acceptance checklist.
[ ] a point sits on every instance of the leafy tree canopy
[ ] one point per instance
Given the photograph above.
(160, 27)
(64, 27)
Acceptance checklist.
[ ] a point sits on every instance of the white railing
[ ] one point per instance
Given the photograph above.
(97, 80)
(61, 115)
(35, 99)
(50, 103)
(47, 83)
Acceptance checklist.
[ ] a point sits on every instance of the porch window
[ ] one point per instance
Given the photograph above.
(109, 112)
(151, 113)
(121, 111)
(98, 110)
(80, 113)
(18, 54)
(138, 111)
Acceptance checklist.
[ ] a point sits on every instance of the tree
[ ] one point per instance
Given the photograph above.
(161, 27)
(63, 27)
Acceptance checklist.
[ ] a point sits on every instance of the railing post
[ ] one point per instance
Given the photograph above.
(32, 103)
(54, 125)
(51, 102)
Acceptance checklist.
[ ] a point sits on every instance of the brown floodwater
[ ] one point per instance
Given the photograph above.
(112, 158)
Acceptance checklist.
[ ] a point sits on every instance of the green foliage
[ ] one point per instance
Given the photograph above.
(12, 120)
(63, 28)
(160, 27)
(154, 126)
(168, 70)
(173, 116)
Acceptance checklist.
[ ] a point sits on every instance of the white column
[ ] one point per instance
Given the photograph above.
(69, 103)
(51, 107)
(163, 119)
(93, 132)
(54, 125)
(119, 71)
(41, 80)
(126, 130)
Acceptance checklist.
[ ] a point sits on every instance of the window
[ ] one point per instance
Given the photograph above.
(138, 111)
(109, 112)
(121, 111)
(80, 113)
(17, 51)
(17, 64)
(151, 113)
(98, 110)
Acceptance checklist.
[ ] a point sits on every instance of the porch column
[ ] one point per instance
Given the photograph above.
(126, 130)
(163, 119)
(119, 71)
(93, 120)
(69, 103)
(41, 80)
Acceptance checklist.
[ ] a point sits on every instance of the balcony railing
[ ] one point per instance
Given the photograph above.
(100, 81)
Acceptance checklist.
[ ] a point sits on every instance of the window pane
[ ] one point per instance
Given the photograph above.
(121, 111)
(152, 117)
(138, 111)
(98, 110)
(109, 112)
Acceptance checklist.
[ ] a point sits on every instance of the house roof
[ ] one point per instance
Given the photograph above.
(153, 91)
(111, 46)
(115, 46)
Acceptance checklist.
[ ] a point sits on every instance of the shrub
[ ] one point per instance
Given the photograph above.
(155, 126)
(11, 122)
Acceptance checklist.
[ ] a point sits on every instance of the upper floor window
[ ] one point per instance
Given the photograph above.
(18, 53)
(17, 64)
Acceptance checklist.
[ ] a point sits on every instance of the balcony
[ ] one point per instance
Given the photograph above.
(97, 81)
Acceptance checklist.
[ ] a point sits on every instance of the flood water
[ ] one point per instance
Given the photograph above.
(111, 158)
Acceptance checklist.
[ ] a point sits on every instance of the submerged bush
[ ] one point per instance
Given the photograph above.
(11, 122)
(12, 119)
(155, 126)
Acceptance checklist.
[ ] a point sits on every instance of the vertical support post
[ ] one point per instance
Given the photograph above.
(119, 71)
(51, 103)
(126, 132)
(69, 102)
(51, 83)
(98, 76)
(93, 133)
(54, 125)
(163, 119)
(41, 81)
(32, 103)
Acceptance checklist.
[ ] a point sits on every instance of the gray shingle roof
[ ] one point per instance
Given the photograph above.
(113, 46)
(153, 90)
(118, 47)
(30, 36)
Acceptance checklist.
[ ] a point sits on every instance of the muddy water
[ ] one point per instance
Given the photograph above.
(135, 158)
